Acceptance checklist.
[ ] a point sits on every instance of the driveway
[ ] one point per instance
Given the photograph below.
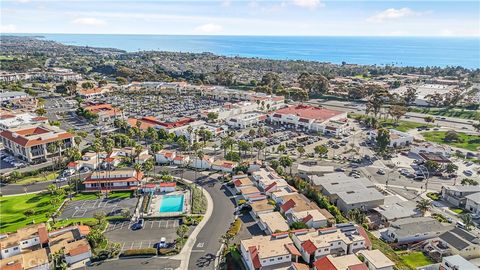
(249, 228)
(152, 232)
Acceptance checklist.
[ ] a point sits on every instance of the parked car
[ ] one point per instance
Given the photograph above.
(138, 225)
(381, 172)
(468, 172)
(161, 244)
(60, 179)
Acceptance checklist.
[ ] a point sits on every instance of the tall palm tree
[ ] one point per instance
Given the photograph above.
(138, 169)
(423, 205)
(467, 220)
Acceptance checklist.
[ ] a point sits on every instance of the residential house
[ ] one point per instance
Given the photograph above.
(203, 164)
(458, 242)
(224, 166)
(376, 260)
(23, 240)
(31, 142)
(412, 230)
(364, 199)
(167, 186)
(339, 240)
(345, 262)
(181, 160)
(33, 260)
(165, 156)
(261, 207)
(472, 203)
(456, 262)
(312, 218)
(278, 193)
(117, 180)
(105, 112)
(456, 195)
(272, 222)
(242, 182)
(74, 250)
(251, 193)
(89, 160)
(395, 208)
(269, 252)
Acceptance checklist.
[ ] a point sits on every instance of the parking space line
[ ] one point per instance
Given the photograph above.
(149, 244)
(151, 226)
(123, 246)
(159, 224)
(166, 226)
(131, 247)
(141, 243)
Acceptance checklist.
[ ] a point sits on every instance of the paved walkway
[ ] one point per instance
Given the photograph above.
(184, 255)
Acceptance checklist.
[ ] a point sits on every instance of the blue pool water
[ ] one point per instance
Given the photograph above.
(171, 203)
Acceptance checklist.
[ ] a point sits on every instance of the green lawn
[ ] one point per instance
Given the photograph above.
(469, 142)
(465, 114)
(457, 211)
(402, 125)
(386, 249)
(13, 208)
(37, 178)
(416, 259)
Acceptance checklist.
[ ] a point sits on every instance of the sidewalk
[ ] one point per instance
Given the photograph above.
(184, 255)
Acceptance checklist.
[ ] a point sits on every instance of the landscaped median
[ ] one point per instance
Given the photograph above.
(139, 252)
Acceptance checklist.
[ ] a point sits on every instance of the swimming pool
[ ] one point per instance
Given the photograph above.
(171, 203)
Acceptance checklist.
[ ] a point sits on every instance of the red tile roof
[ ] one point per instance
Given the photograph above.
(309, 112)
(359, 266)
(309, 247)
(168, 184)
(43, 235)
(72, 164)
(254, 255)
(286, 206)
(270, 186)
(324, 264)
(103, 108)
(292, 249)
(22, 139)
(307, 218)
(79, 250)
(362, 232)
(84, 230)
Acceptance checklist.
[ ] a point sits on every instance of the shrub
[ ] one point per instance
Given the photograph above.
(139, 252)
(234, 228)
(167, 251)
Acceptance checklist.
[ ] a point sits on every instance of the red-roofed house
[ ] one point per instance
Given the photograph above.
(203, 164)
(30, 143)
(119, 179)
(165, 157)
(224, 166)
(346, 262)
(181, 160)
(167, 186)
(306, 117)
(105, 112)
(269, 252)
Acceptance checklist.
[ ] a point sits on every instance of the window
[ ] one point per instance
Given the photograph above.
(6, 250)
(325, 249)
(355, 244)
(15, 248)
(280, 258)
(272, 260)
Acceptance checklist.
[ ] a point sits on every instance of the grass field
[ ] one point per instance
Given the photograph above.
(465, 114)
(400, 264)
(12, 210)
(457, 211)
(402, 125)
(37, 178)
(415, 259)
(469, 142)
(6, 58)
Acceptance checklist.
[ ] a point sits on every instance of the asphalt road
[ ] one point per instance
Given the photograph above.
(152, 263)
(207, 243)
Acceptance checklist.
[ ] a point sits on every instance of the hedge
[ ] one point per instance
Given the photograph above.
(139, 252)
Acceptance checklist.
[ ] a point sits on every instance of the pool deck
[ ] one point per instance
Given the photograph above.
(154, 209)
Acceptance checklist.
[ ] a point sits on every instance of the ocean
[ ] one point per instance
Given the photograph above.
(399, 51)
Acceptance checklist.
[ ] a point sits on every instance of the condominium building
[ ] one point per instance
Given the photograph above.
(119, 179)
(31, 142)
(14, 120)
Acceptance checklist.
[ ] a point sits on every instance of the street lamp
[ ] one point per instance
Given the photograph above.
(422, 168)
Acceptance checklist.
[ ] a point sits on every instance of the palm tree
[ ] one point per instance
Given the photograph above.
(199, 156)
(423, 205)
(286, 161)
(259, 145)
(138, 169)
(467, 220)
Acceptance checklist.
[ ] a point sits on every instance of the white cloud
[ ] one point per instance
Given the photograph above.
(89, 22)
(393, 14)
(226, 3)
(209, 28)
(307, 3)
(9, 28)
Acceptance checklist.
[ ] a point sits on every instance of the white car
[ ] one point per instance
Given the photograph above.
(60, 179)
(468, 173)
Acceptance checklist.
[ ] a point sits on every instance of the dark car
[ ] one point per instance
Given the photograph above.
(138, 225)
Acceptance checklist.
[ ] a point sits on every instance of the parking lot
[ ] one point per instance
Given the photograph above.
(150, 234)
(87, 208)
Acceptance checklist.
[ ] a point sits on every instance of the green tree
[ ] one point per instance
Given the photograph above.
(452, 136)
(383, 139)
(301, 150)
(259, 145)
(244, 146)
(121, 80)
(423, 205)
(88, 85)
(321, 150)
(286, 162)
(432, 166)
(451, 168)
(467, 220)
(212, 116)
(468, 182)
(41, 111)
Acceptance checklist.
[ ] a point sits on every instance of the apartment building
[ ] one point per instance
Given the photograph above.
(272, 222)
(34, 236)
(31, 142)
(339, 240)
(346, 262)
(269, 252)
(117, 180)
(457, 195)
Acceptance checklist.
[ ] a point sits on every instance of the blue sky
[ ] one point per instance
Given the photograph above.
(247, 17)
